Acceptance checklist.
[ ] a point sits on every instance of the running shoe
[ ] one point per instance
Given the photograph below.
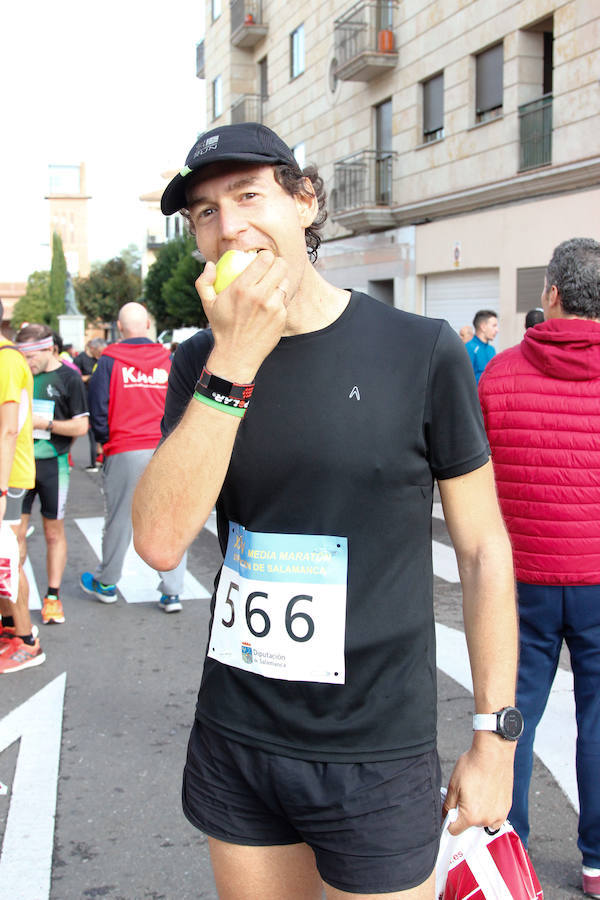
(52, 611)
(21, 656)
(106, 593)
(591, 882)
(8, 633)
(170, 603)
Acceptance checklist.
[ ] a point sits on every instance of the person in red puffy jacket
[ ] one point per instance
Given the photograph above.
(541, 406)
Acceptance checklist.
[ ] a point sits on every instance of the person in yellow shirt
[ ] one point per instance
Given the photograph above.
(19, 646)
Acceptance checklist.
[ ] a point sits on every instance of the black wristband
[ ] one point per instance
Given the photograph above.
(229, 394)
(214, 384)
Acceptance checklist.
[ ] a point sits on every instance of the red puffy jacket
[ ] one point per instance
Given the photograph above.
(541, 405)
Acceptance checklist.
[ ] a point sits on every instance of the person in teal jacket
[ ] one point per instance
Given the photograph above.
(480, 348)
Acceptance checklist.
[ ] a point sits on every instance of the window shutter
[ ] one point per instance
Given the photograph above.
(489, 79)
(433, 104)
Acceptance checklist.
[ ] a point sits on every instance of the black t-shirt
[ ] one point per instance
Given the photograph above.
(346, 430)
(64, 389)
(86, 364)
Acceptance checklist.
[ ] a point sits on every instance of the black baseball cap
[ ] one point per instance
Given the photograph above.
(248, 142)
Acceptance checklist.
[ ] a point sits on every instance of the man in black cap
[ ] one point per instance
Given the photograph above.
(317, 420)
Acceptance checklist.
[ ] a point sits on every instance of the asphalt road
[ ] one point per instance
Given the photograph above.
(130, 676)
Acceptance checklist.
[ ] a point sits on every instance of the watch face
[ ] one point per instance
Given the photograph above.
(511, 724)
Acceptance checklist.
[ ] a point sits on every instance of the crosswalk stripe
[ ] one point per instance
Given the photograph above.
(34, 595)
(444, 562)
(139, 582)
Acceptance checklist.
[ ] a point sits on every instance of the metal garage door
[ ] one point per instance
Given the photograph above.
(456, 296)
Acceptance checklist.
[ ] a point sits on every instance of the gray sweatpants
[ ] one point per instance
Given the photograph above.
(120, 474)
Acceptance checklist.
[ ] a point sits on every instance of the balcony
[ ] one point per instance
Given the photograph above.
(200, 60)
(362, 195)
(247, 26)
(365, 44)
(535, 133)
(247, 108)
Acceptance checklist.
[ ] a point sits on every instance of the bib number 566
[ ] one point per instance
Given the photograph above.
(258, 616)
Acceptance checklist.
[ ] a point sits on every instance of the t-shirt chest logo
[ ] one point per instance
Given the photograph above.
(354, 394)
(52, 391)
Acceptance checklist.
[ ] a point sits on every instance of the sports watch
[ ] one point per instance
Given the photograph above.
(507, 722)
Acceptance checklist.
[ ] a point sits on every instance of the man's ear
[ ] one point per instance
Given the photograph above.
(553, 298)
(307, 204)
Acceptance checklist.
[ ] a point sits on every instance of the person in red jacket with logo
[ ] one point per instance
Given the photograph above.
(126, 397)
(541, 405)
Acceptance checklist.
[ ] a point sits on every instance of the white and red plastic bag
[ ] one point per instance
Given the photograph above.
(9, 563)
(481, 866)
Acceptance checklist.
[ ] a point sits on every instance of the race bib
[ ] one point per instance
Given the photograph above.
(280, 609)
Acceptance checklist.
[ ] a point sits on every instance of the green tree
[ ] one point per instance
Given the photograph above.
(58, 278)
(179, 304)
(108, 286)
(34, 304)
(180, 295)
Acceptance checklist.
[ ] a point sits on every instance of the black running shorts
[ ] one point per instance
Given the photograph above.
(374, 827)
(52, 485)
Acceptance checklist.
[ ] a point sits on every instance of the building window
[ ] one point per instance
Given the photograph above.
(383, 159)
(263, 78)
(297, 52)
(489, 83)
(433, 108)
(215, 8)
(299, 152)
(217, 96)
(530, 284)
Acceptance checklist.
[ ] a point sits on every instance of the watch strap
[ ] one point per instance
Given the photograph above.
(485, 722)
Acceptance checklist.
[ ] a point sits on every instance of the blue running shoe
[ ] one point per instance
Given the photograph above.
(106, 593)
(170, 603)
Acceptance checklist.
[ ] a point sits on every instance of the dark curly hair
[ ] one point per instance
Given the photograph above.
(294, 181)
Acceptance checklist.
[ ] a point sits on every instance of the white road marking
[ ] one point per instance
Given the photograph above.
(34, 594)
(557, 732)
(444, 562)
(26, 860)
(211, 523)
(139, 582)
(437, 512)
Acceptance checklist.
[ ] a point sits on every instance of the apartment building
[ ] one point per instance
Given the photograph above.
(69, 214)
(459, 139)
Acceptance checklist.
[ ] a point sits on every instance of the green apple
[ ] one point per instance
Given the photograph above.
(230, 265)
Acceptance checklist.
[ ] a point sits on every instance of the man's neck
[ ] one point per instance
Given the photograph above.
(316, 304)
(481, 337)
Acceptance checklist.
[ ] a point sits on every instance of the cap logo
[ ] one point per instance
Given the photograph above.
(206, 146)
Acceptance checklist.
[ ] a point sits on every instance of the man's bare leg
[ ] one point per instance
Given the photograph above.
(264, 873)
(270, 873)
(56, 550)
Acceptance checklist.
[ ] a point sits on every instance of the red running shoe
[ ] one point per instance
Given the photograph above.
(20, 655)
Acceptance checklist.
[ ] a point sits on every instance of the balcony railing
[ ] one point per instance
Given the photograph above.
(535, 133)
(247, 26)
(365, 44)
(247, 108)
(200, 60)
(363, 190)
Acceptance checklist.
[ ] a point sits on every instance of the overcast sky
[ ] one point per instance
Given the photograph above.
(111, 84)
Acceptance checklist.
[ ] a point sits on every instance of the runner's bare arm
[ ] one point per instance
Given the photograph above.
(181, 484)
(481, 784)
(75, 427)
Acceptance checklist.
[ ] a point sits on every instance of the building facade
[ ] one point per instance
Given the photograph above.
(69, 215)
(459, 140)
